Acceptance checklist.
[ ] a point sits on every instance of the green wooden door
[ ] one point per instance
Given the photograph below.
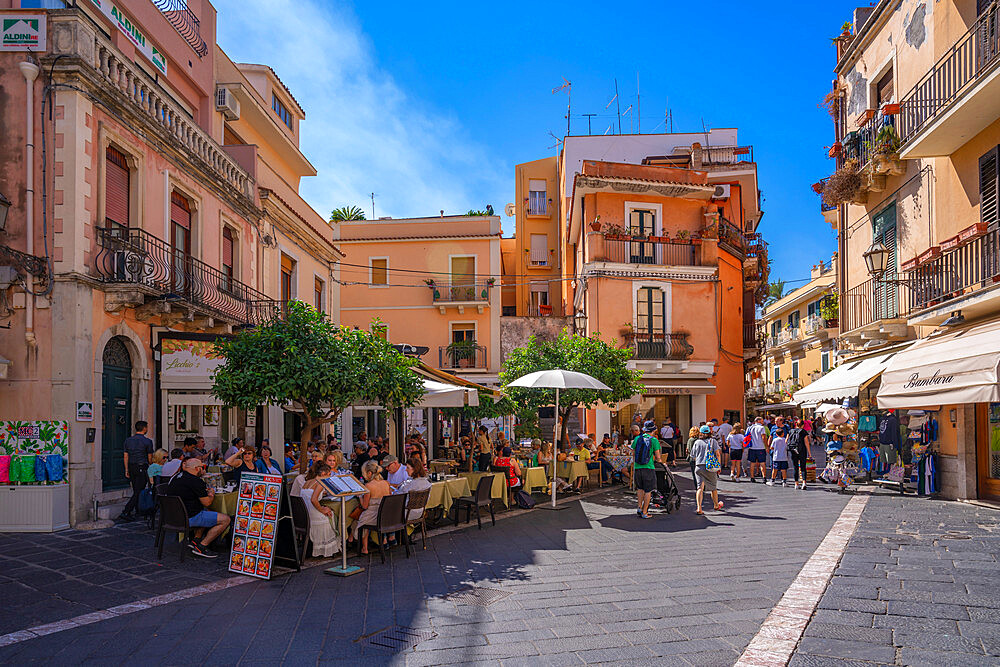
(116, 412)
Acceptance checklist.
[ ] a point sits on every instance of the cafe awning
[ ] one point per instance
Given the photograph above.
(956, 366)
(775, 406)
(845, 380)
(442, 395)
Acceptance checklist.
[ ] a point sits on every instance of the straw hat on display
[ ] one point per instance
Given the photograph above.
(837, 416)
(829, 428)
(846, 429)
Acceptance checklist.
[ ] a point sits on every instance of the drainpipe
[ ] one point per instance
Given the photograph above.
(30, 72)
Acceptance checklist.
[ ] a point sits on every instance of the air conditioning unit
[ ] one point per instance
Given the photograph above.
(721, 192)
(227, 103)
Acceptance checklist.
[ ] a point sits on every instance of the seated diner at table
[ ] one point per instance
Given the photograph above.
(545, 460)
(395, 472)
(580, 452)
(241, 462)
(236, 446)
(417, 481)
(197, 497)
(173, 466)
(378, 488)
(155, 468)
(290, 459)
(265, 464)
(598, 461)
(335, 459)
(321, 529)
(505, 460)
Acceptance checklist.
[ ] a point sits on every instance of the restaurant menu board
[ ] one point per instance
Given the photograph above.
(256, 525)
(344, 484)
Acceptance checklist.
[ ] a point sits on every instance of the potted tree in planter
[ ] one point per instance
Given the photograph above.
(462, 353)
(829, 310)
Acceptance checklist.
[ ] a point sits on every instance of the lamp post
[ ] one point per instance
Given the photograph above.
(876, 259)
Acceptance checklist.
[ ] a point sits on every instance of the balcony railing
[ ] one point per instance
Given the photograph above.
(872, 302)
(661, 253)
(875, 138)
(711, 155)
(473, 356)
(135, 257)
(185, 22)
(730, 234)
(752, 337)
(973, 265)
(660, 346)
(958, 69)
(784, 337)
(464, 293)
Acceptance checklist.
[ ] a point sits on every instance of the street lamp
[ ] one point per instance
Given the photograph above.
(580, 322)
(876, 259)
(4, 207)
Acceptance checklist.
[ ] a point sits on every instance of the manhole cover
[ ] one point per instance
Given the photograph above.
(396, 638)
(481, 597)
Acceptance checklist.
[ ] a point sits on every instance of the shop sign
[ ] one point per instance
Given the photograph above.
(256, 525)
(666, 391)
(134, 34)
(22, 32)
(34, 437)
(188, 359)
(916, 382)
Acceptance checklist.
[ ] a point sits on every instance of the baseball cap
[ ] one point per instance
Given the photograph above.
(389, 460)
(649, 425)
(705, 429)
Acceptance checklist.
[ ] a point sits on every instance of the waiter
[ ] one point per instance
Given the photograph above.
(138, 455)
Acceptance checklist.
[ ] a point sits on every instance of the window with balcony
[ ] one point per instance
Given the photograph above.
(319, 292)
(537, 197)
(642, 223)
(989, 187)
(539, 255)
(117, 188)
(775, 328)
(228, 257)
(649, 310)
(378, 268)
(463, 278)
(283, 113)
(885, 292)
(180, 240)
(540, 299)
(884, 89)
(793, 319)
(777, 374)
(287, 278)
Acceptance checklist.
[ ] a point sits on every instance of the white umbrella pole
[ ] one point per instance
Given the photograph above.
(555, 450)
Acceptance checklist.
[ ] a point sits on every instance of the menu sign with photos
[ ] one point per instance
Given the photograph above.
(254, 531)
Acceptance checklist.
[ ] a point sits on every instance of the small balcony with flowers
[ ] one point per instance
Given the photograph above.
(461, 295)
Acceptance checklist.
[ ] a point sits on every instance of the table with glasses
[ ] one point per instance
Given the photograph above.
(535, 478)
(444, 492)
(499, 488)
(225, 503)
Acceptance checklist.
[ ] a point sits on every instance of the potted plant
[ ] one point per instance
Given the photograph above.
(865, 117)
(835, 149)
(626, 330)
(829, 310)
(615, 233)
(462, 353)
(683, 235)
(844, 185)
(596, 224)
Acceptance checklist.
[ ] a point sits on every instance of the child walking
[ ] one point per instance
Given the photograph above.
(779, 457)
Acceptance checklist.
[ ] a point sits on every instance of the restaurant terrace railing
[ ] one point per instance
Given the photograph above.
(976, 264)
(462, 356)
(664, 346)
(961, 66)
(136, 257)
(464, 293)
(642, 250)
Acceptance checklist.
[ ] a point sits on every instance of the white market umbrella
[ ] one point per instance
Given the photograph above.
(557, 379)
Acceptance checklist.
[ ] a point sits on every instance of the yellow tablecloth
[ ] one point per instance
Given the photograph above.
(535, 478)
(443, 493)
(225, 503)
(572, 470)
(334, 504)
(499, 490)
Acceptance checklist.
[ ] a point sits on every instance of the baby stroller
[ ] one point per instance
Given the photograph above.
(666, 495)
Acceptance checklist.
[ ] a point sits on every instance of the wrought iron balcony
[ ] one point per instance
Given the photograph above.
(458, 356)
(643, 250)
(733, 236)
(871, 302)
(461, 293)
(659, 346)
(184, 21)
(753, 338)
(974, 265)
(136, 258)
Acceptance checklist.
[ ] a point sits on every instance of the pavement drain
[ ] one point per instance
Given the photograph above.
(396, 638)
(481, 597)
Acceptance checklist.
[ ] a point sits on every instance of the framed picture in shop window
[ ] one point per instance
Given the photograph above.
(211, 415)
(182, 419)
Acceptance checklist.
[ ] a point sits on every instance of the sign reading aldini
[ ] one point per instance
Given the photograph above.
(134, 34)
(22, 32)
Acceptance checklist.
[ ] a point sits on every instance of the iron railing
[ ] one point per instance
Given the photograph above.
(734, 237)
(136, 257)
(464, 293)
(669, 346)
(644, 251)
(872, 301)
(973, 265)
(726, 154)
(961, 66)
(876, 137)
(753, 338)
(184, 22)
(462, 356)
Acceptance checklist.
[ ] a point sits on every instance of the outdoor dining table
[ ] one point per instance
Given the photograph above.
(443, 493)
(225, 503)
(499, 490)
(535, 478)
(335, 504)
(443, 465)
(572, 470)
(619, 462)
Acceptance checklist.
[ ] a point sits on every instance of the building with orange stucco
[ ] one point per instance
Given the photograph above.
(651, 242)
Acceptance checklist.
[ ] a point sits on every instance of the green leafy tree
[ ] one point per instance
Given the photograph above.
(312, 367)
(591, 355)
(347, 213)
(775, 292)
(488, 408)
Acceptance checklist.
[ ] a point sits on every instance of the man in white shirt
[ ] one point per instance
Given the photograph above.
(666, 432)
(171, 467)
(757, 452)
(725, 428)
(396, 473)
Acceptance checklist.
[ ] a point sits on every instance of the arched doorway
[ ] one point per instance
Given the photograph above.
(116, 411)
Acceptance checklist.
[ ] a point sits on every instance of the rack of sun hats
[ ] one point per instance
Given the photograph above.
(843, 462)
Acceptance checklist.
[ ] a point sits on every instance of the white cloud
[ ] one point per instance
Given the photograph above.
(362, 132)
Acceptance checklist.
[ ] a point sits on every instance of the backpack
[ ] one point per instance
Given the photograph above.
(524, 499)
(643, 449)
(796, 438)
(747, 440)
(146, 502)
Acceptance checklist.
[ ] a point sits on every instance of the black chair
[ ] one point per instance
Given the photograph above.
(173, 517)
(417, 500)
(483, 497)
(506, 478)
(159, 489)
(391, 520)
(300, 522)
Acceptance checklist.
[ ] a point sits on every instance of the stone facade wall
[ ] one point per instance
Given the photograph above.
(515, 331)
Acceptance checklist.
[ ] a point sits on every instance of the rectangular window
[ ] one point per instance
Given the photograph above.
(811, 309)
(319, 290)
(283, 113)
(287, 278)
(537, 197)
(795, 370)
(649, 311)
(825, 362)
(228, 246)
(463, 278)
(775, 328)
(463, 333)
(116, 188)
(989, 187)
(883, 90)
(777, 374)
(180, 242)
(793, 320)
(539, 250)
(539, 298)
(379, 268)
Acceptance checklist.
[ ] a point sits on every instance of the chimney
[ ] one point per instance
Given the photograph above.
(696, 156)
(442, 213)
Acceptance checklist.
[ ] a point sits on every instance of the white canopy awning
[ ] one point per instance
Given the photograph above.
(823, 408)
(844, 380)
(191, 399)
(957, 366)
(442, 395)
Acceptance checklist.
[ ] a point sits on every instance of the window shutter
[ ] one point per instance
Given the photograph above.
(227, 250)
(116, 190)
(380, 271)
(180, 210)
(536, 185)
(989, 185)
(539, 248)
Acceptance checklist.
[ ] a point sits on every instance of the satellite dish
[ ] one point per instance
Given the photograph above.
(510, 210)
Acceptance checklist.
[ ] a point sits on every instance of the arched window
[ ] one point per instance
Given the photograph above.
(116, 354)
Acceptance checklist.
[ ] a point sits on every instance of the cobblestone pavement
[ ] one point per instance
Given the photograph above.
(590, 584)
(916, 586)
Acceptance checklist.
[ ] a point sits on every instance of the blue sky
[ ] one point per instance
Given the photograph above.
(431, 106)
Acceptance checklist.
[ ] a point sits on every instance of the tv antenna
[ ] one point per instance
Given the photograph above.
(373, 206)
(589, 116)
(568, 87)
(557, 139)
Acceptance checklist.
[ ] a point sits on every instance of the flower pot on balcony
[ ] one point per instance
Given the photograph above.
(864, 117)
(890, 109)
(616, 237)
(928, 255)
(595, 226)
(545, 310)
(832, 323)
(833, 152)
(948, 244)
(659, 239)
(464, 363)
(972, 232)
(911, 264)
(484, 293)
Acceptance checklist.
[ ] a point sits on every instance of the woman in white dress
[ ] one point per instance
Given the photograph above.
(322, 533)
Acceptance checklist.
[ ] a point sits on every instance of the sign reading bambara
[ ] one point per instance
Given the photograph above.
(916, 382)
